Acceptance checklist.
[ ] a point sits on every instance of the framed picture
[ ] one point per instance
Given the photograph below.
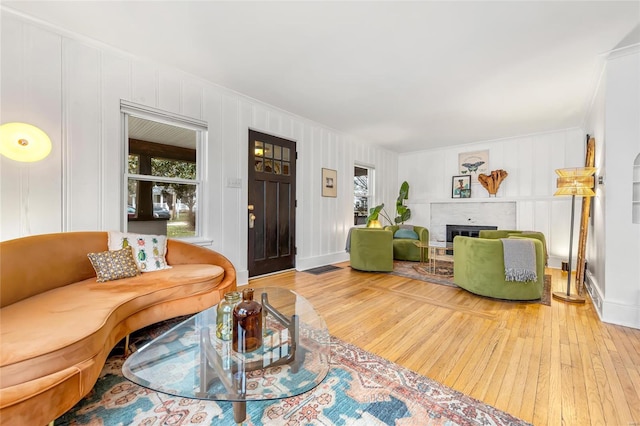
(473, 164)
(329, 183)
(461, 187)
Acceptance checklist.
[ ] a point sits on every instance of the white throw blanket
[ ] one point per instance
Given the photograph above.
(519, 259)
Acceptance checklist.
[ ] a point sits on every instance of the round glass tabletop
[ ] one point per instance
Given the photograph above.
(190, 361)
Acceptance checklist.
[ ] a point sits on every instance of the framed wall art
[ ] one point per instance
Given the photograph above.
(473, 163)
(329, 183)
(461, 186)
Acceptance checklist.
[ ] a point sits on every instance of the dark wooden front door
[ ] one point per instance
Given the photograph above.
(272, 204)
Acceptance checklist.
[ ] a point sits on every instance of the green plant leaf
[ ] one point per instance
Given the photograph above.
(402, 211)
(376, 212)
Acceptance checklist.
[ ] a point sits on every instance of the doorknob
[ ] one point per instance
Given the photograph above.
(252, 219)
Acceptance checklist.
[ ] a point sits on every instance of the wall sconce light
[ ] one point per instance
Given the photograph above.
(24, 142)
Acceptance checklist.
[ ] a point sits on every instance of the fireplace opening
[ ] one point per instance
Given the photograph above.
(466, 231)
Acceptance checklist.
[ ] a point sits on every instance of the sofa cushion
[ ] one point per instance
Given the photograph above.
(73, 321)
(406, 234)
(149, 251)
(114, 264)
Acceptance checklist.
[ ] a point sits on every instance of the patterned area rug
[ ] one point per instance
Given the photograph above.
(418, 271)
(361, 389)
(444, 276)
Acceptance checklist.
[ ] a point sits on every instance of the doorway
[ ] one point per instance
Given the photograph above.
(271, 204)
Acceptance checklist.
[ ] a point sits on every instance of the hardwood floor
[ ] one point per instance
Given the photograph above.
(548, 365)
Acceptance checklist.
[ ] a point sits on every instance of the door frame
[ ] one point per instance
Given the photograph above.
(293, 207)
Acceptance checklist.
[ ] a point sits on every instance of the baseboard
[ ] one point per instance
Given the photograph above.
(621, 314)
(591, 284)
(327, 259)
(610, 311)
(242, 277)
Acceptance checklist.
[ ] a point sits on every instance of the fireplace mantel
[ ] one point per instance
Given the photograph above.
(478, 212)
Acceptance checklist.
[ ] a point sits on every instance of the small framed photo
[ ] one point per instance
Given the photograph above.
(461, 187)
(329, 183)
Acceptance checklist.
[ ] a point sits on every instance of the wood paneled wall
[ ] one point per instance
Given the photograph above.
(71, 88)
(530, 161)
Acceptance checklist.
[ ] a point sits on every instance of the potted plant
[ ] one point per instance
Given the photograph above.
(402, 211)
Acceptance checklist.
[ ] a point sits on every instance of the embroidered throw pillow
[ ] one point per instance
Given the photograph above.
(149, 251)
(114, 264)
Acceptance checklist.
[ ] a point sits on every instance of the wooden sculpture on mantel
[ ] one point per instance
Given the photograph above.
(492, 182)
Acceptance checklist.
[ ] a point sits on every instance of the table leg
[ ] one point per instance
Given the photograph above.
(432, 260)
(239, 412)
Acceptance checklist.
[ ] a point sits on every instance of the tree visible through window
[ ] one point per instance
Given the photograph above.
(362, 192)
(162, 177)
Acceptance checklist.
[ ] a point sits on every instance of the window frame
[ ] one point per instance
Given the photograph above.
(129, 109)
(370, 186)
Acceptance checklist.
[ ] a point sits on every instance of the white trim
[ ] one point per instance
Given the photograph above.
(328, 259)
(200, 127)
(621, 314)
(124, 182)
(622, 51)
(160, 179)
(166, 117)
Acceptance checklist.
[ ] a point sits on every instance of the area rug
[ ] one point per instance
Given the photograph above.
(418, 271)
(444, 276)
(360, 389)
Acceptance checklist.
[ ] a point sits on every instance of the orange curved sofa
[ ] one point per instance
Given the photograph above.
(58, 325)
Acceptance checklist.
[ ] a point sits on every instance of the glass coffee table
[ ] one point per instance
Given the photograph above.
(190, 361)
(437, 250)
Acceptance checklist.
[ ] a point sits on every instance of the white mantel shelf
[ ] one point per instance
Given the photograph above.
(487, 200)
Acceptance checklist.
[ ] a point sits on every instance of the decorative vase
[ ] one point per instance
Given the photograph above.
(224, 319)
(247, 323)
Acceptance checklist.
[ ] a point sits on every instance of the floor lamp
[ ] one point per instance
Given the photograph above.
(577, 181)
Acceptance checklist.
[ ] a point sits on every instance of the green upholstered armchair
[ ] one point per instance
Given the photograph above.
(478, 266)
(371, 249)
(405, 249)
(506, 233)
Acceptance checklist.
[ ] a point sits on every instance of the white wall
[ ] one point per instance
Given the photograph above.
(596, 241)
(614, 271)
(71, 88)
(530, 161)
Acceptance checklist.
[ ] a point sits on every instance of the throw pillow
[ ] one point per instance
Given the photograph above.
(149, 251)
(407, 234)
(114, 264)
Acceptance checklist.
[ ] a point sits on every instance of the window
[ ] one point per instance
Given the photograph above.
(362, 193)
(162, 174)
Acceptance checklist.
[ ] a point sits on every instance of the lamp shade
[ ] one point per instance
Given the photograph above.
(374, 224)
(23, 142)
(576, 181)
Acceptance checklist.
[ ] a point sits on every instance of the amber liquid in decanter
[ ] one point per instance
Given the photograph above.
(247, 323)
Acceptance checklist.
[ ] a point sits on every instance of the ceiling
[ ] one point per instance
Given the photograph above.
(406, 76)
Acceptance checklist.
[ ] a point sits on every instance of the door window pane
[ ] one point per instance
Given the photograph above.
(259, 149)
